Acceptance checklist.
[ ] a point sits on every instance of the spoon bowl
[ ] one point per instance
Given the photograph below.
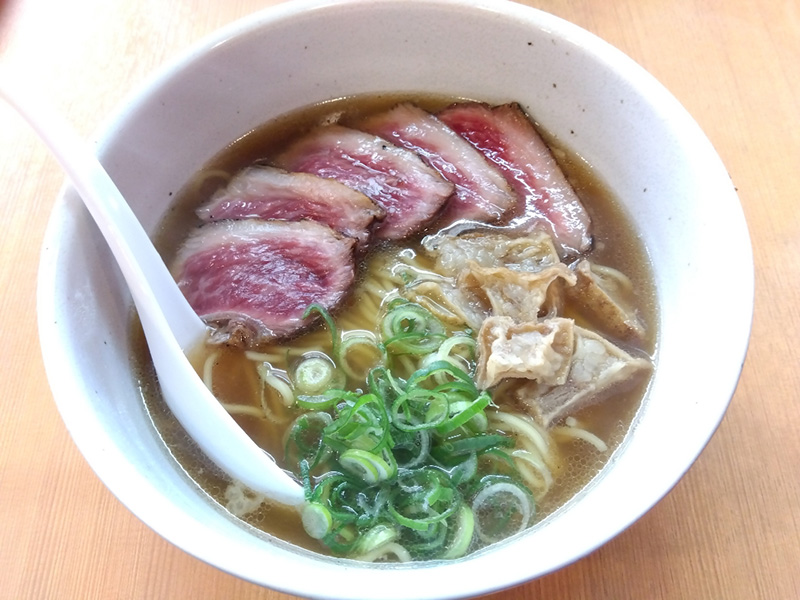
(171, 326)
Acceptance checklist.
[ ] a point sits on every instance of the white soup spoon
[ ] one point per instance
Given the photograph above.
(171, 326)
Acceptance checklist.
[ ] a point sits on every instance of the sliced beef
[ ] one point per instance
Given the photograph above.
(408, 190)
(507, 137)
(252, 280)
(481, 191)
(270, 193)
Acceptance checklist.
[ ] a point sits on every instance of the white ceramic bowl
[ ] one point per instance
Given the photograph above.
(616, 116)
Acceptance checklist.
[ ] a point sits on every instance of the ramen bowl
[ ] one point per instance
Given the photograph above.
(599, 103)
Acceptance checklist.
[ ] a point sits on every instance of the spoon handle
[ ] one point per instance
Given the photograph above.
(150, 282)
(170, 324)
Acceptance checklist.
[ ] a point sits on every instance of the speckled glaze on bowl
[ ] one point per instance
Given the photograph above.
(599, 102)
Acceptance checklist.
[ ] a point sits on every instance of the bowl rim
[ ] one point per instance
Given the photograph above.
(136, 493)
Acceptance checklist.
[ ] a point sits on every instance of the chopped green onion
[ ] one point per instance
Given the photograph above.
(368, 466)
(318, 402)
(446, 353)
(468, 445)
(339, 493)
(432, 498)
(412, 449)
(326, 316)
(391, 549)
(464, 412)
(462, 536)
(401, 456)
(465, 470)
(361, 423)
(304, 441)
(428, 542)
(317, 520)
(383, 385)
(378, 536)
(419, 409)
(479, 423)
(501, 510)
(446, 349)
(445, 368)
(315, 373)
(366, 341)
(342, 540)
(408, 328)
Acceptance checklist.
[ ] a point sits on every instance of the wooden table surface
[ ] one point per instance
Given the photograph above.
(729, 529)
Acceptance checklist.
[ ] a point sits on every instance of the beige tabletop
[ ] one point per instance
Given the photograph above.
(729, 529)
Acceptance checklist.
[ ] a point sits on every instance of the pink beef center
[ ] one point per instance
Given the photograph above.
(265, 281)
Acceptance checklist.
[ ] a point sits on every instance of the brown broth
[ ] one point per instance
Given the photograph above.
(580, 462)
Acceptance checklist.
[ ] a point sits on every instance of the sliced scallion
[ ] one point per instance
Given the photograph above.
(364, 343)
(368, 466)
(379, 535)
(304, 440)
(465, 412)
(408, 328)
(316, 402)
(465, 470)
(501, 509)
(315, 373)
(317, 520)
(404, 453)
(326, 316)
(461, 538)
(362, 423)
